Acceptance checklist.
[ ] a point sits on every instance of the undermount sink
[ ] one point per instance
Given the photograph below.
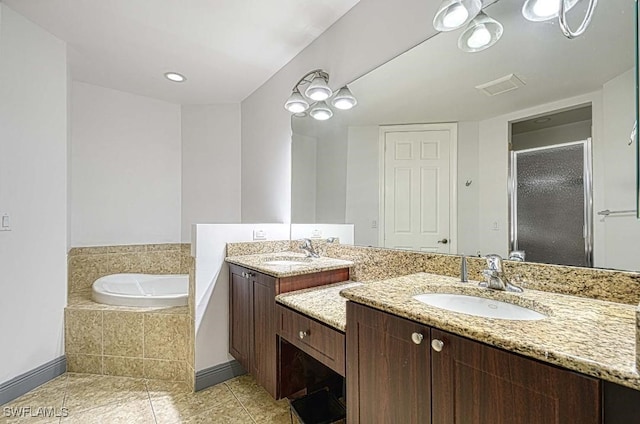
(479, 306)
(287, 261)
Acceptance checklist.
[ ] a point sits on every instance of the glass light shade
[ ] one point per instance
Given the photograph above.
(344, 99)
(454, 14)
(482, 33)
(296, 103)
(318, 89)
(543, 10)
(321, 111)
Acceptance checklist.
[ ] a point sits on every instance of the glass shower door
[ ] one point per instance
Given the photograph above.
(551, 204)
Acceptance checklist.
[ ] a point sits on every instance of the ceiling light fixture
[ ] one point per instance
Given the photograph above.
(454, 14)
(175, 77)
(481, 33)
(315, 95)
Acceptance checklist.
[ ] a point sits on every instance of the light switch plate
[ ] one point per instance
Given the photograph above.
(5, 224)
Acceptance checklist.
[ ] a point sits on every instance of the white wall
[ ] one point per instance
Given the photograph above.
(33, 190)
(362, 184)
(371, 33)
(344, 232)
(210, 165)
(621, 232)
(303, 183)
(125, 168)
(212, 285)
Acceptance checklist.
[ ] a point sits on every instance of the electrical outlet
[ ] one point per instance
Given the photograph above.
(259, 235)
(495, 227)
(316, 233)
(374, 224)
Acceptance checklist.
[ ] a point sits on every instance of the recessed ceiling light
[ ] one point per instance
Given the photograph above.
(542, 120)
(175, 77)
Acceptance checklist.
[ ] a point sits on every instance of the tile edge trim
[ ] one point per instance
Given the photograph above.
(24, 383)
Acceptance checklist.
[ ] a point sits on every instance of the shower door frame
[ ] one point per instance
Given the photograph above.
(588, 195)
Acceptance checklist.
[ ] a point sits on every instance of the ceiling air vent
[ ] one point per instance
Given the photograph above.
(501, 85)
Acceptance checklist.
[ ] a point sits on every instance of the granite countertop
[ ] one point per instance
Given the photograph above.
(593, 337)
(323, 303)
(274, 264)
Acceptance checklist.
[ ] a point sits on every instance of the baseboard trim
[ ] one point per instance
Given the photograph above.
(217, 374)
(28, 381)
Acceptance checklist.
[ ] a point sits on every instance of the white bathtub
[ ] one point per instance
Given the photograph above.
(141, 290)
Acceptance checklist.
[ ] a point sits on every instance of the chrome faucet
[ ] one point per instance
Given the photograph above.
(496, 279)
(307, 246)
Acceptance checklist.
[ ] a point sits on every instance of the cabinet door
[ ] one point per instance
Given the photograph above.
(264, 346)
(240, 318)
(476, 383)
(388, 374)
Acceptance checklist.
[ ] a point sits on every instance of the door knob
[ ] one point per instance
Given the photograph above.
(303, 334)
(443, 241)
(417, 338)
(437, 345)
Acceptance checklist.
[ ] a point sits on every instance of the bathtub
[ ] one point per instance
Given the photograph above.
(141, 290)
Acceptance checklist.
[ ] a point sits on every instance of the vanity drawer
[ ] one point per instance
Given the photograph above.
(317, 340)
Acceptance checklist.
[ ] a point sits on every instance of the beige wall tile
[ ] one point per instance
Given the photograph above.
(128, 263)
(123, 333)
(163, 262)
(83, 270)
(158, 369)
(166, 336)
(90, 364)
(121, 366)
(83, 331)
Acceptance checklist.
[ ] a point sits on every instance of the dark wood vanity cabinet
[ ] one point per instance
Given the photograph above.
(253, 320)
(394, 374)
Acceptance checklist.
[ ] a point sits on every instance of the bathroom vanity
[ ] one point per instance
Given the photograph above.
(406, 361)
(253, 318)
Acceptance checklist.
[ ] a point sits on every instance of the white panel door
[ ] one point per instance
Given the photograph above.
(417, 190)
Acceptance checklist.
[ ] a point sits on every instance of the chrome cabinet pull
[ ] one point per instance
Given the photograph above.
(417, 338)
(437, 345)
(303, 334)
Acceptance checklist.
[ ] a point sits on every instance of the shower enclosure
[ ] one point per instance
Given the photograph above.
(551, 206)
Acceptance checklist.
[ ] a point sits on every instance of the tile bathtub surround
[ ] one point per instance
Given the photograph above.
(89, 399)
(590, 336)
(150, 344)
(86, 264)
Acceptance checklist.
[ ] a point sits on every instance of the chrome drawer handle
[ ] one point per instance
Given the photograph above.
(303, 334)
(437, 345)
(417, 338)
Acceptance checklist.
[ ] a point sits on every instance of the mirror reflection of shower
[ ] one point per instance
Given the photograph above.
(550, 190)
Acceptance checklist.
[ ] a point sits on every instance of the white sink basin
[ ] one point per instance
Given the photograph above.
(479, 306)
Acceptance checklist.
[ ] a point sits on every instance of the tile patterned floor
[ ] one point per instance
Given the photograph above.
(89, 399)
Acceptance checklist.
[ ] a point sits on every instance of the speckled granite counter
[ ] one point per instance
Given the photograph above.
(322, 303)
(287, 264)
(589, 336)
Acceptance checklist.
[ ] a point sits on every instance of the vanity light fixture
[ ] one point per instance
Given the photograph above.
(481, 33)
(321, 111)
(543, 10)
(344, 99)
(315, 96)
(175, 77)
(454, 14)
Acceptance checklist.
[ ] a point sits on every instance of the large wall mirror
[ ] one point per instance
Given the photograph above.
(521, 147)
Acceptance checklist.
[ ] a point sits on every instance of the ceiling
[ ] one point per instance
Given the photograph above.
(225, 48)
(435, 81)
